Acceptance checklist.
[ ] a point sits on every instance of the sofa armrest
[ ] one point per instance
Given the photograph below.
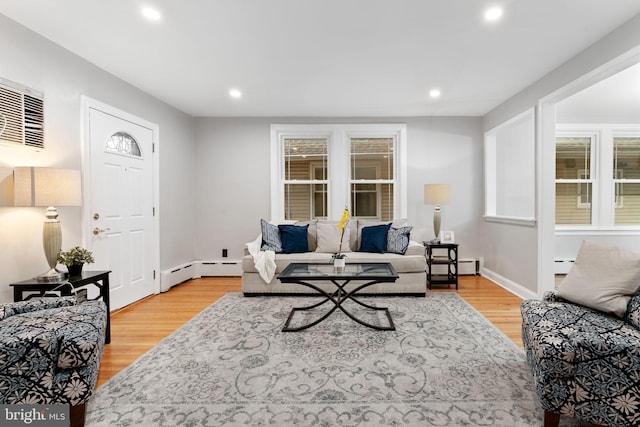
(35, 304)
(551, 296)
(548, 350)
(28, 362)
(415, 248)
(81, 341)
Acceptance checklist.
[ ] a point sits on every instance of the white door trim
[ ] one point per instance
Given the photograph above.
(87, 104)
(546, 154)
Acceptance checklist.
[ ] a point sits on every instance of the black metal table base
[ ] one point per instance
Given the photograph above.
(339, 297)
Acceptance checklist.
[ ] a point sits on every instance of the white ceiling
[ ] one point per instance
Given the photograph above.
(616, 99)
(325, 57)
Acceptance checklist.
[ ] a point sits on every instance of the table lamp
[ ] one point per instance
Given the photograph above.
(436, 194)
(50, 187)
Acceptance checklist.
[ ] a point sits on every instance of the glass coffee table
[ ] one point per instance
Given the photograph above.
(370, 273)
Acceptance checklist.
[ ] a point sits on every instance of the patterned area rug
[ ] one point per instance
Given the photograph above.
(445, 365)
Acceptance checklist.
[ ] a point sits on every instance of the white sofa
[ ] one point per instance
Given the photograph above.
(411, 267)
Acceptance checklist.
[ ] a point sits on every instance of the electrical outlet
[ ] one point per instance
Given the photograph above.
(224, 253)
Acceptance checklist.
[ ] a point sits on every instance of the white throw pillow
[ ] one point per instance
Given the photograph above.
(603, 278)
(329, 238)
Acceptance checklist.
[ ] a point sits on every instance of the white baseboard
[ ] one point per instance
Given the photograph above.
(196, 269)
(510, 285)
(177, 275)
(221, 268)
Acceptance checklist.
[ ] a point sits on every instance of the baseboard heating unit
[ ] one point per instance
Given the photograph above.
(221, 268)
(562, 266)
(177, 275)
(197, 269)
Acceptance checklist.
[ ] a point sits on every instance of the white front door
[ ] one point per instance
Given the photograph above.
(119, 201)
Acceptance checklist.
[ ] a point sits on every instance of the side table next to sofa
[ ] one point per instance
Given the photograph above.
(66, 287)
(450, 260)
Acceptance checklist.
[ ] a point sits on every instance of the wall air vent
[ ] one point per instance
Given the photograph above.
(21, 115)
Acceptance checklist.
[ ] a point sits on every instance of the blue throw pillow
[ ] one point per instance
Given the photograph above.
(374, 238)
(398, 240)
(294, 238)
(270, 237)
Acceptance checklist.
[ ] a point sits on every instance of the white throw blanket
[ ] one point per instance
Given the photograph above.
(264, 261)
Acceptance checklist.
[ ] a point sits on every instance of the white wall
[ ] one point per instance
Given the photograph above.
(622, 42)
(33, 61)
(233, 178)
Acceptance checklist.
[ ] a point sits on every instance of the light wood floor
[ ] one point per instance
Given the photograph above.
(140, 326)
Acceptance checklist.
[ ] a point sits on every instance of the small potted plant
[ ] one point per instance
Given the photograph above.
(74, 259)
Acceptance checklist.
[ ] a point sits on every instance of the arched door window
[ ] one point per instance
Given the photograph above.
(123, 143)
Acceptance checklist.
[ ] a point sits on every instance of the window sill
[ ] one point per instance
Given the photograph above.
(618, 231)
(525, 222)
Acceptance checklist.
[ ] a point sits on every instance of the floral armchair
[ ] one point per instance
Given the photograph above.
(585, 363)
(50, 351)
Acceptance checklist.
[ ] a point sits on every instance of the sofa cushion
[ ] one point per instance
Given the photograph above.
(34, 304)
(633, 312)
(603, 278)
(329, 236)
(401, 263)
(294, 238)
(559, 336)
(270, 237)
(398, 240)
(74, 329)
(312, 233)
(351, 230)
(374, 238)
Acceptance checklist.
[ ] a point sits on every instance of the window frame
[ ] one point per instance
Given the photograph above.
(338, 163)
(377, 191)
(582, 182)
(603, 197)
(595, 136)
(618, 181)
(496, 200)
(313, 166)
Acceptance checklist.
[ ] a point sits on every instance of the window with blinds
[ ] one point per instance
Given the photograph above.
(574, 180)
(318, 170)
(626, 180)
(372, 178)
(598, 176)
(306, 168)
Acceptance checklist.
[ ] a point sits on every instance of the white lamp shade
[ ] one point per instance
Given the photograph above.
(46, 187)
(436, 194)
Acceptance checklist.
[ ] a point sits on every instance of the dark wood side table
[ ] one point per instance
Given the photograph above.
(99, 279)
(450, 259)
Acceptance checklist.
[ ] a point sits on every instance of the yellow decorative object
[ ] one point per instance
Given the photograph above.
(343, 220)
(341, 226)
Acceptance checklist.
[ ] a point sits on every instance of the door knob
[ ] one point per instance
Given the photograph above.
(97, 230)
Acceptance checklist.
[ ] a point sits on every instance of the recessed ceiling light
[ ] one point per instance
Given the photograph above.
(434, 93)
(235, 93)
(150, 13)
(493, 14)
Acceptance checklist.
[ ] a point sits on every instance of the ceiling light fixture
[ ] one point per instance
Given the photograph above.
(493, 14)
(434, 93)
(235, 93)
(150, 13)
